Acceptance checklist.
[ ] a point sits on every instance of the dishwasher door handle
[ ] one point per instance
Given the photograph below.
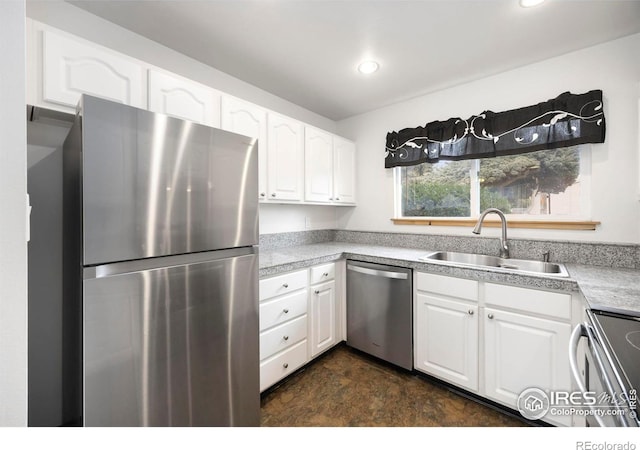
(378, 273)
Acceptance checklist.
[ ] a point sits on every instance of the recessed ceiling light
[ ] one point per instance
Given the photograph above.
(530, 3)
(368, 67)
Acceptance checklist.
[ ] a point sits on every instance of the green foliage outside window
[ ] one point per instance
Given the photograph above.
(509, 183)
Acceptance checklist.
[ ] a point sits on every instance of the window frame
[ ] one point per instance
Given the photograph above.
(583, 221)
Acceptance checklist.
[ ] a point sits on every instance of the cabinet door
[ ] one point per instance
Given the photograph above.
(446, 339)
(323, 317)
(183, 98)
(318, 166)
(344, 171)
(282, 364)
(285, 153)
(71, 68)
(251, 120)
(522, 352)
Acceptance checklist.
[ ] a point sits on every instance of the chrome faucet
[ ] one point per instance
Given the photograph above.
(504, 248)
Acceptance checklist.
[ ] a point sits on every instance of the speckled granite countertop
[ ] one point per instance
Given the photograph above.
(603, 287)
(607, 288)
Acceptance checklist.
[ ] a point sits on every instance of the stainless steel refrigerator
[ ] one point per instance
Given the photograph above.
(160, 271)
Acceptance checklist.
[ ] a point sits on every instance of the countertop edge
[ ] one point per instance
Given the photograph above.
(602, 287)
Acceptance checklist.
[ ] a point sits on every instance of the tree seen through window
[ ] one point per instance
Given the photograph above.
(538, 183)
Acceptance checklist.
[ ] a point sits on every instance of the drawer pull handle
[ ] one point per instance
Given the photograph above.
(286, 338)
(286, 311)
(285, 365)
(286, 285)
(273, 195)
(490, 316)
(471, 312)
(316, 291)
(326, 274)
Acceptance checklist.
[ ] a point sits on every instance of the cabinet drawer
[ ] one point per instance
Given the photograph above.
(282, 364)
(322, 273)
(453, 287)
(282, 336)
(271, 287)
(553, 304)
(276, 311)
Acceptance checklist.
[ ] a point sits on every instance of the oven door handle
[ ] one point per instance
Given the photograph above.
(579, 332)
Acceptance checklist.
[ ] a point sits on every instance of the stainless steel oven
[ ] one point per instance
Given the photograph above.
(612, 368)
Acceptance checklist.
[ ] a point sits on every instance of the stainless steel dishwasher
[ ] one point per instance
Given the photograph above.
(379, 311)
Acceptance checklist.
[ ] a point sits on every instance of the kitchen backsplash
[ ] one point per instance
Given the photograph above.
(289, 239)
(598, 254)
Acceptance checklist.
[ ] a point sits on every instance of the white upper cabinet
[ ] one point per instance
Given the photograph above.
(344, 171)
(246, 118)
(71, 68)
(318, 165)
(329, 168)
(285, 153)
(296, 163)
(183, 98)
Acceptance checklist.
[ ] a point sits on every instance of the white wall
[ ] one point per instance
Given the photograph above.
(613, 67)
(13, 189)
(283, 218)
(66, 17)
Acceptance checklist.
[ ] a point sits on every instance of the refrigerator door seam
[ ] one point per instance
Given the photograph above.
(119, 268)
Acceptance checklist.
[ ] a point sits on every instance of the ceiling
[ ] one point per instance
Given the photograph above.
(307, 51)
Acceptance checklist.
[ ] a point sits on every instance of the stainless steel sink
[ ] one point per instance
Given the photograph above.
(516, 265)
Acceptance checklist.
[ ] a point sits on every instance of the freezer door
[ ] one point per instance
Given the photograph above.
(174, 346)
(154, 185)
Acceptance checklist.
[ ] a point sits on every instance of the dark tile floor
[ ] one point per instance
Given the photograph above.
(345, 388)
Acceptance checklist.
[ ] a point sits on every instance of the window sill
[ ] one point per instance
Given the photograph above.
(513, 223)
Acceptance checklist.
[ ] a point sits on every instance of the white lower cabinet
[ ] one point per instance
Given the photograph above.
(323, 317)
(447, 339)
(280, 365)
(283, 308)
(283, 325)
(521, 351)
(494, 340)
(282, 337)
(299, 319)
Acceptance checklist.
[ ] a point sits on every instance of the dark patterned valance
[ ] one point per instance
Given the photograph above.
(566, 120)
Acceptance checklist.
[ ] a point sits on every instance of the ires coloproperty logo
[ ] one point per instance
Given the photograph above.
(534, 403)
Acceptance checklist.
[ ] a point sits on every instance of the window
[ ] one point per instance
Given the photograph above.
(549, 184)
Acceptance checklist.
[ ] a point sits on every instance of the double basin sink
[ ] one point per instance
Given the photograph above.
(515, 265)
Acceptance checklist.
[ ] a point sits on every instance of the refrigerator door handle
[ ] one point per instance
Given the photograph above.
(119, 268)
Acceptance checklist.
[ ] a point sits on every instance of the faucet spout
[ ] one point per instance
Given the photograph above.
(504, 247)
